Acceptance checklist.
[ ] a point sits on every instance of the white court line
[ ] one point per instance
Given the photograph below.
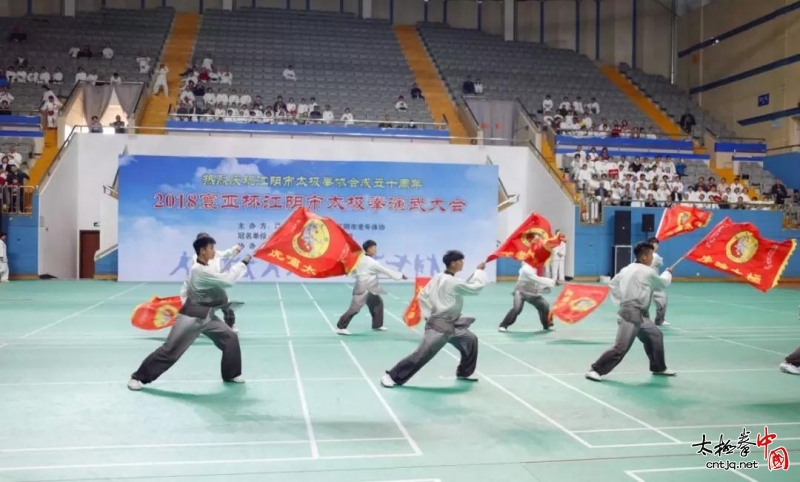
(193, 445)
(632, 473)
(312, 439)
(160, 382)
(283, 310)
(412, 480)
(740, 305)
(662, 444)
(687, 427)
(374, 389)
(82, 311)
(732, 342)
(177, 463)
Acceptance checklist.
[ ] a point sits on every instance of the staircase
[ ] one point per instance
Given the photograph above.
(437, 98)
(177, 55)
(49, 153)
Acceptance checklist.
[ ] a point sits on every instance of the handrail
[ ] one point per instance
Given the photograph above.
(743, 140)
(557, 176)
(780, 148)
(24, 113)
(607, 134)
(471, 114)
(289, 120)
(389, 133)
(138, 100)
(106, 251)
(110, 190)
(46, 177)
(763, 206)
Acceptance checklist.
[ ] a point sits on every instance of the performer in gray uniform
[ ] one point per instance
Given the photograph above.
(205, 295)
(659, 296)
(631, 290)
(529, 289)
(441, 302)
(792, 363)
(367, 290)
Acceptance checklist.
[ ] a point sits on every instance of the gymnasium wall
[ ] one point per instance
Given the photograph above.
(611, 37)
(93, 160)
(784, 167)
(596, 242)
(757, 54)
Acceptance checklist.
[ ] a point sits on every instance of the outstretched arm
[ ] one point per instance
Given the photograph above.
(473, 285)
(203, 278)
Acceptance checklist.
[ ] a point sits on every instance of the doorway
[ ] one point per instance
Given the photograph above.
(89, 245)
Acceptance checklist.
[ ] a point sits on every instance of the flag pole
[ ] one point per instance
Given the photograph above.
(695, 246)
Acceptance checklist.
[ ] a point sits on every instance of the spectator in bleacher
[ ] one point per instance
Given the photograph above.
(547, 104)
(80, 76)
(161, 80)
(778, 191)
(315, 114)
(144, 63)
(347, 117)
(587, 122)
(469, 87)
(577, 106)
(401, 105)
(58, 76)
(280, 104)
(22, 62)
(22, 75)
(222, 98)
(187, 95)
(478, 87)
(92, 77)
(233, 98)
(73, 52)
(387, 123)
(115, 79)
(327, 115)
(5, 109)
(108, 52)
(118, 125)
(245, 99)
(15, 174)
(210, 98)
(226, 77)
(593, 107)
(17, 34)
(11, 74)
(199, 92)
(44, 76)
(4, 82)
(85, 52)
(291, 107)
(687, 122)
(50, 109)
(416, 92)
(32, 76)
(6, 96)
(95, 127)
(5, 165)
(565, 106)
(14, 157)
(302, 107)
(208, 62)
(312, 103)
(288, 73)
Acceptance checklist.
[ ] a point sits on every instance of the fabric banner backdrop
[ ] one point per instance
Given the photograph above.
(414, 211)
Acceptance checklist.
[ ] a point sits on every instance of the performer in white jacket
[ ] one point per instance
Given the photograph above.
(529, 289)
(557, 259)
(3, 259)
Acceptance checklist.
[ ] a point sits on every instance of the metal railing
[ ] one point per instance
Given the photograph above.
(742, 140)
(59, 155)
(595, 133)
(789, 148)
(17, 200)
(110, 191)
(557, 175)
(395, 124)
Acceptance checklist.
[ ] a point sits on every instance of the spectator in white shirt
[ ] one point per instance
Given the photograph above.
(33, 76)
(288, 73)
(22, 75)
(347, 117)
(547, 105)
(478, 86)
(187, 96)
(92, 77)
(401, 105)
(14, 157)
(144, 63)
(11, 74)
(5, 95)
(115, 79)
(219, 112)
(651, 134)
(593, 107)
(233, 98)
(222, 98)
(80, 76)
(245, 98)
(565, 105)
(302, 107)
(587, 122)
(210, 98)
(44, 76)
(161, 80)
(74, 51)
(47, 93)
(291, 107)
(577, 106)
(226, 77)
(108, 52)
(58, 76)
(50, 110)
(208, 62)
(327, 115)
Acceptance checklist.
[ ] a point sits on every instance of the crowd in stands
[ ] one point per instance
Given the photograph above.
(574, 118)
(208, 96)
(13, 175)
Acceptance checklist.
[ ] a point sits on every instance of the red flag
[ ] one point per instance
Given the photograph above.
(739, 249)
(532, 242)
(412, 316)
(311, 246)
(157, 313)
(577, 301)
(681, 219)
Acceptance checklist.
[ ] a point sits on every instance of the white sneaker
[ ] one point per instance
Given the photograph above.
(666, 373)
(664, 323)
(239, 379)
(789, 368)
(235, 330)
(135, 385)
(383, 328)
(593, 375)
(342, 331)
(387, 381)
(502, 329)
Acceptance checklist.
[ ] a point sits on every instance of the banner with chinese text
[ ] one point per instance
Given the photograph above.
(414, 211)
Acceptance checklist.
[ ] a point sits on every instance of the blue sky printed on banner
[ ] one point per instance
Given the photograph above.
(414, 211)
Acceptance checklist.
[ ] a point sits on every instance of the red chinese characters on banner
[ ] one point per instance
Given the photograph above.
(311, 246)
(413, 315)
(532, 242)
(681, 220)
(577, 301)
(314, 202)
(777, 458)
(740, 250)
(157, 313)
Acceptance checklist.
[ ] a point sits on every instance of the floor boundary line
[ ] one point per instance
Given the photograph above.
(745, 345)
(632, 473)
(283, 311)
(381, 399)
(312, 439)
(691, 427)
(80, 312)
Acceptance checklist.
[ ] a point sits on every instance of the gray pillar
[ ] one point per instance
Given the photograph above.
(69, 8)
(227, 4)
(366, 8)
(509, 20)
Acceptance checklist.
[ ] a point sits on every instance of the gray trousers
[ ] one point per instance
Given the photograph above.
(632, 324)
(541, 305)
(181, 336)
(465, 341)
(373, 302)
(794, 358)
(660, 300)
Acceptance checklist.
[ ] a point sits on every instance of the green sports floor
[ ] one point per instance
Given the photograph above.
(313, 410)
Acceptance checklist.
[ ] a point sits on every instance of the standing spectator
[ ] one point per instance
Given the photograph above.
(161, 80)
(687, 122)
(115, 79)
(3, 258)
(469, 87)
(478, 86)
(96, 127)
(118, 125)
(779, 192)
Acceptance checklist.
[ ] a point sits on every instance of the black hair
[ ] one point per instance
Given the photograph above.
(451, 257)
(3, 233)
(652, 240)
(641, 249)
(368, 244)
(202, 242)
(203, 235)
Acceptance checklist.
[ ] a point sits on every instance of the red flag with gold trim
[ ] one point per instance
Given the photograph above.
(156, 314)
(413, 315)
(681, 220)
(311, 246)
(740, 250)
(577, 301)
(532, 242)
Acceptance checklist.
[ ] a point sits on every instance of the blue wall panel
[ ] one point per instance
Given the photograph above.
(107, 265)
(785, 167)
(23, 242)
(312, 130)
(623, 142)
(594, 243)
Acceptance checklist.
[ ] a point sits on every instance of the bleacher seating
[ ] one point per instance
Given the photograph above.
(49, 39)
(527, 71)
(674, 101)
(339, 59)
